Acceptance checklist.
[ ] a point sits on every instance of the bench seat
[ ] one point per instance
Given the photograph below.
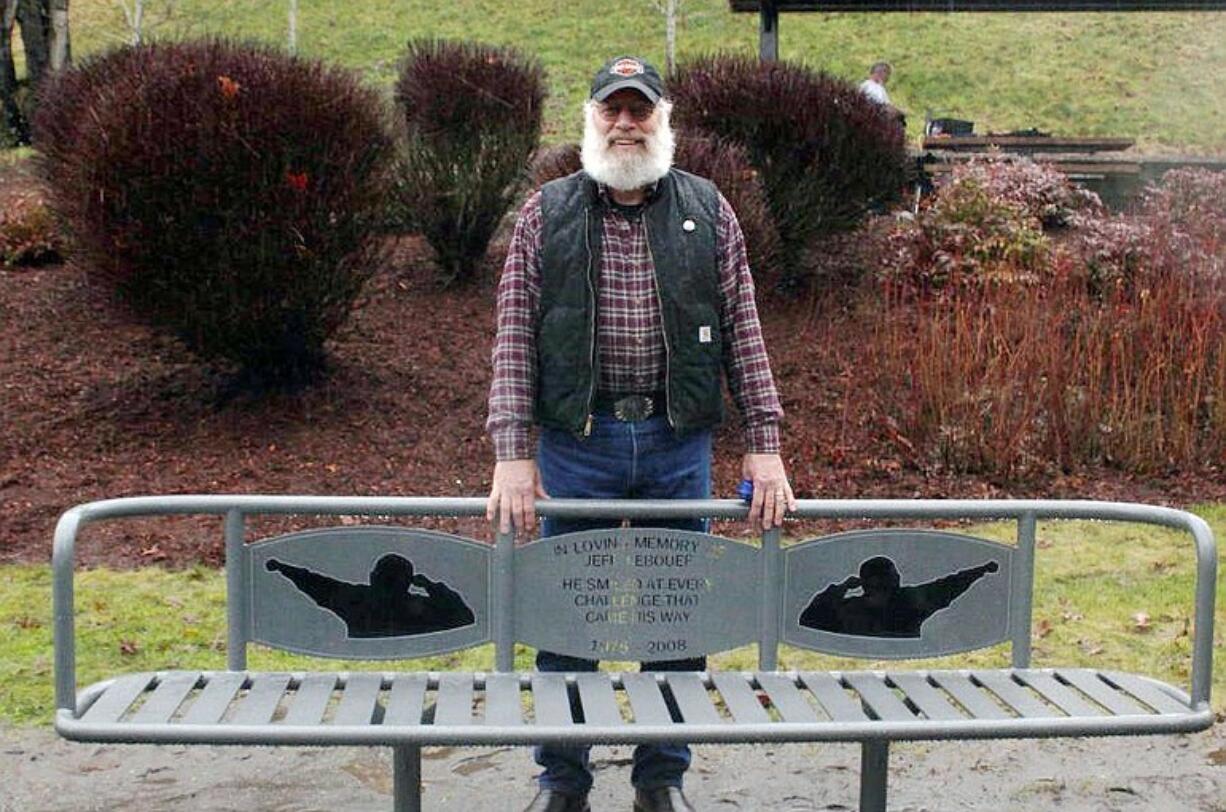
(373, 708)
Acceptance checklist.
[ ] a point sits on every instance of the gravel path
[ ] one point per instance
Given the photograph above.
(42, 773)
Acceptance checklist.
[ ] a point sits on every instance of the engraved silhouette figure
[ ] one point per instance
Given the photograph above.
(385, 607)
(886, 609)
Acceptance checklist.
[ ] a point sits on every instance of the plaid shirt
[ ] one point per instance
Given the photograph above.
(630, 338)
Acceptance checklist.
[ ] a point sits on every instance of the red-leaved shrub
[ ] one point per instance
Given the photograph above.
(227, 193)
(469, 118)
(965, 236)
(1116, 355)
(825, 152)
(553, 162)
(28, 232)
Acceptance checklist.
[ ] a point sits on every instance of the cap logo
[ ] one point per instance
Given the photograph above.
(627, 67)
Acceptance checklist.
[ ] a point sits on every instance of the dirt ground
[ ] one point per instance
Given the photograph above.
(1144, 774)
(94, 405)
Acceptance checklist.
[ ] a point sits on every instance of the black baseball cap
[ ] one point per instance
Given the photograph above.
(622, 72)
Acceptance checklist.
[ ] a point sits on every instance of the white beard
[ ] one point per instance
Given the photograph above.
(627, 172)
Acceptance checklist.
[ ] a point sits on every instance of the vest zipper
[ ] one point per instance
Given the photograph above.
(668, 372)
(591, 288)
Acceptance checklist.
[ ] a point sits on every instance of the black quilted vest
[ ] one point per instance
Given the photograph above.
(680, 216)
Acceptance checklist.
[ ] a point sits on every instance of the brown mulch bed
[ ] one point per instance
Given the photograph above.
(96, 406)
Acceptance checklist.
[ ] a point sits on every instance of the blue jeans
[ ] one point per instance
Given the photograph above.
(642, 460)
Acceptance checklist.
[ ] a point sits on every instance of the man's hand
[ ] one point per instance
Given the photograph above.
(517, 483)
(772, 494)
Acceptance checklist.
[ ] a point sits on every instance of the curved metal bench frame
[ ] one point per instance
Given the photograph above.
(408, 710)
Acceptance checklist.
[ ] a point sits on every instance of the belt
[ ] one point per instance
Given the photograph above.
(630, 408)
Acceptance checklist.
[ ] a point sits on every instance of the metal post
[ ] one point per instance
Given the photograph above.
(502, 603)
(768, 632)
(406, 779)
(1021, 592)
(768, 31)
(63, 611)
(236, 593)
(874, 770)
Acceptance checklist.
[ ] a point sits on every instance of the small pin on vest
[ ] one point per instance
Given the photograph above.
(688, 225)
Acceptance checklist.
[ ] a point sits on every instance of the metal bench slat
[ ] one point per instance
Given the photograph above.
(1155, 697)
(357, 705)
(404, 702)
(310, 699)
(166, 698)
(1091, 684)
(210, 705)
(646, 699)
(977, 701)
(261, 701)
(691, 697)
(831, 696)
(786, 698)
(551, 700)
(928, 699)
(116, 700)
(598, 700)
(739, 695)
(879, 697)
(1015, 696)
(453, 707)
(1057, 693)
(502, 705)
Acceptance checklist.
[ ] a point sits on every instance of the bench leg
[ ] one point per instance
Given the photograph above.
(874, 769)
(406, 779)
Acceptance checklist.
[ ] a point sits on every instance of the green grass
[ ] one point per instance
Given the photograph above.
(1093, 579)
(1146, 75)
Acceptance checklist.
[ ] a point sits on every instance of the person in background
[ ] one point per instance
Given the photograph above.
(874, 85)
(874, 88)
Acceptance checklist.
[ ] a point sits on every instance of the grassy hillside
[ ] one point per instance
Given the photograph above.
(1148, 76)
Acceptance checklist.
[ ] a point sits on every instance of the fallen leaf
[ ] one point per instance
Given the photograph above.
(128, 647)
(153, 553)
(1218, 757)
(1042, 628)
(1090, 648)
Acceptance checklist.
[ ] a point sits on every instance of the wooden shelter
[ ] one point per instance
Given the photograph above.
(768, 10)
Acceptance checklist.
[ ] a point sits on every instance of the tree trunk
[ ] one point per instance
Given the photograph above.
(34, 16)
(61, 48)
(670, 37)
(293, 26)
(14, 121)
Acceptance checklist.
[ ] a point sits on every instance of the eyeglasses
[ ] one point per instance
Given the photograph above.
(639, 111)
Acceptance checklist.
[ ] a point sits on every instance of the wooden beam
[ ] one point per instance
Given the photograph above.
(768, 31)
(753, 6)
(1025, 143)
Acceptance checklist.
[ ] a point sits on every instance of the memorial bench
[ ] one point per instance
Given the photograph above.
(631, 593)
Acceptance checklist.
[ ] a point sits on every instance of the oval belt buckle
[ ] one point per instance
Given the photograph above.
(633, 408)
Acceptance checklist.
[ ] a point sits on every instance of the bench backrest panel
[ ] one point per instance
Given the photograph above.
(637, 594)
(368, 592)
(893, 594)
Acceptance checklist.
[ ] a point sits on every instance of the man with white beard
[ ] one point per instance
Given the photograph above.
(625, 298)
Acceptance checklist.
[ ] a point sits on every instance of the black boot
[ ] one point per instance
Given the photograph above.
(661, 799)
(552, 800)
